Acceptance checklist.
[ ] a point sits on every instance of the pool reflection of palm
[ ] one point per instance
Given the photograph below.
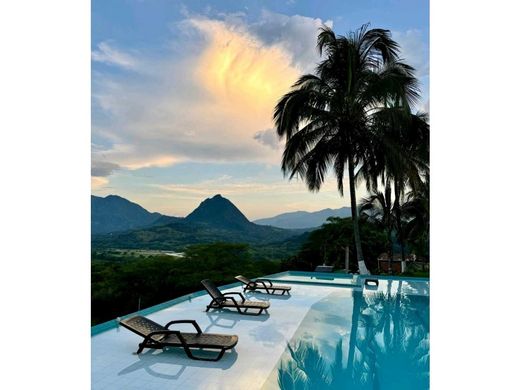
(389, 335)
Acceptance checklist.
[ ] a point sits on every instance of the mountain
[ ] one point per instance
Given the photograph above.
(215, 219)
(304, 219)
(221, 213)
(114, 214)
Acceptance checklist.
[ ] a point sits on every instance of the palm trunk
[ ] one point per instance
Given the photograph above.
(390, 249)
(355, 223)
(397, 206)
(356, 310)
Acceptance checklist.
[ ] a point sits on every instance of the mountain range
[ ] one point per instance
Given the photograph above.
(304, 219)
(119, 223)
(114, 213)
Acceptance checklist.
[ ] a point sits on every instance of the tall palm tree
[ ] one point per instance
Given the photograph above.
(377, 208)
(398, 156)
(328, 117)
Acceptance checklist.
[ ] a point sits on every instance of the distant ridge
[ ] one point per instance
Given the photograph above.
(215, 219)
(115, 214)
(304, 219)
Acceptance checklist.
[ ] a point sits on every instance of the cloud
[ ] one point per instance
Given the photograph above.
(103, 168)
(296, 34)
(108, 55)
(268, 137)
(413, 50)
(247, 187)
(252, 196)
(425, 107)
(97, 183)
(208, 100)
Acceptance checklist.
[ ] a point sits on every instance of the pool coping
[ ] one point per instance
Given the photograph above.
(108, 325)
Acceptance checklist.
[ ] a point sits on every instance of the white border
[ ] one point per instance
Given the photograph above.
(45, 194)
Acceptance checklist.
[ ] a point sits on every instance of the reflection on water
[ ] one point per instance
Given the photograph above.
(367, 340)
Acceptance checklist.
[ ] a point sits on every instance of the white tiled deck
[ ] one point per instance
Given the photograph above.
(262, 340)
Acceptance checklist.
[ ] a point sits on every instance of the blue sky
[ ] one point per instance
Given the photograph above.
(182, 95)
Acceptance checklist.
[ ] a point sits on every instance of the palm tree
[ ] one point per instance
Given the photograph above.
(416, 212)
(327, 118)
(378, 209)
(398, 156)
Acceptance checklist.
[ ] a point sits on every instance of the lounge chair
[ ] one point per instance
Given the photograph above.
(158, 336)
(224, 301)
(262, 284)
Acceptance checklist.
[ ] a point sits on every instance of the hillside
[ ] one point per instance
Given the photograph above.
(114, 214)
(304, 219)
(215, 219)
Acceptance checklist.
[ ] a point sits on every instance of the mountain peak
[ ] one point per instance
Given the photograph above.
(114, 213)
(219, 212)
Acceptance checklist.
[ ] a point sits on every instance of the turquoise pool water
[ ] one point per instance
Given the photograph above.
(361, 339)
(329, 333)
(315, 278)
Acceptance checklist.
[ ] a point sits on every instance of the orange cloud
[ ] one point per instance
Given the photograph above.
(97, 182)
(241, 73)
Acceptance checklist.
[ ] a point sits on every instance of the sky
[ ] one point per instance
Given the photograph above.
(183, 94)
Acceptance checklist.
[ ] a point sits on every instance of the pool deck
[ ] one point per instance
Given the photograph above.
(262, 340)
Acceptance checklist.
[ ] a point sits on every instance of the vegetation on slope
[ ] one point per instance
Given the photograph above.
(120, 284)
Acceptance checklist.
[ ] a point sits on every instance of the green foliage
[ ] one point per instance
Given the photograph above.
(119, 282)
(176, 236)
(327, 244)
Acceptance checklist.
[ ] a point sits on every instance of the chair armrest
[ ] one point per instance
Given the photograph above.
(235, 293)
(166, 332)
(158, 332)
(193, 322)
(265, 280)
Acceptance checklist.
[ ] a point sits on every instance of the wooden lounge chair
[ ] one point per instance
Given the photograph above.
(158, 336)
(224, 301)
(262, 284)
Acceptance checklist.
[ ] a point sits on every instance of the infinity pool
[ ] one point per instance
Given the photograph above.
(359, 340)
(324, 336)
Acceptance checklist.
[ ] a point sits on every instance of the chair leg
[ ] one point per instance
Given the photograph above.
(188, 352)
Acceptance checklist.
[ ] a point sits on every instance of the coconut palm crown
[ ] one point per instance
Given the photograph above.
(328, 118)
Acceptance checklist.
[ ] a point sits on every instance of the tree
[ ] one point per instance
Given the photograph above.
(377, 208)
(338, 233)
(327, 117)
(398, 156)
(416, 212)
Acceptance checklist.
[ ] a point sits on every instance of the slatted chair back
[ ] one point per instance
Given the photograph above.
(142, 326)
(243, 279)
(213, 290)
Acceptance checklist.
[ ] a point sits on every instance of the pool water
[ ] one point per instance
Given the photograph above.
(322, 336)
(315, 278)
(360, 339)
